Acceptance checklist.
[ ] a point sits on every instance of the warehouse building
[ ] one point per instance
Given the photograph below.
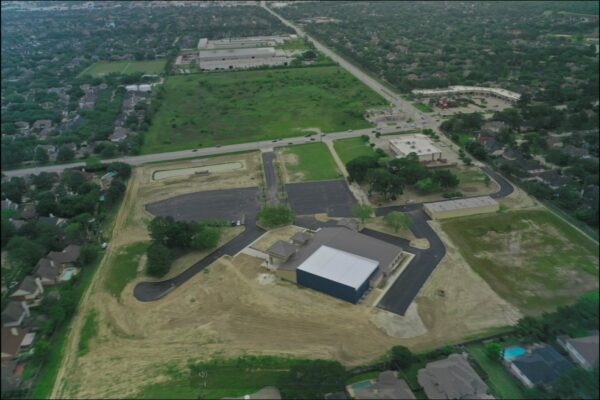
(225, 59)
(461, 207)
(421, 145)
(339, 262)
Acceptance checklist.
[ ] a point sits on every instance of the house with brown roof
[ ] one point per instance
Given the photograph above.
(29, 291)
(452, 378)
(584, 351)
(14, 314)
(12, 337)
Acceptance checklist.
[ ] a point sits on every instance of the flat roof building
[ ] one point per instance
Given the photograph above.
(461, 207)
(225, 59)
(453, 90)
(421, 145)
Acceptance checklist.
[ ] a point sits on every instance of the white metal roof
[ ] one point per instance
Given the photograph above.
(419, 144)
(471, 202)
(462, 89)
(339, 266)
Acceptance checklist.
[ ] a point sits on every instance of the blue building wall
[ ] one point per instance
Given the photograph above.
(332, 288)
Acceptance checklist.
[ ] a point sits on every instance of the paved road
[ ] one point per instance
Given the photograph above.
(268, 159)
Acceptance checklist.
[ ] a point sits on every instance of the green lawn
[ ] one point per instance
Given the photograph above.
(294, 44)
(349, 149)
(422, 107)
(235, 107)
(310, 162)
(88, 332)
(220, 378)
(533, 259)
(124, 268)
(363, 377)
(102, 68)
(468, 177)
(500, 382)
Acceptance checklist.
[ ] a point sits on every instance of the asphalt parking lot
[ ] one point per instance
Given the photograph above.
(331, 197)
(231, 204)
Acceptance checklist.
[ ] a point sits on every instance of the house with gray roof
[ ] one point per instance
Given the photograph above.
(48, 272)
(66, 258)
(584, 351)
(542, 366)
(301, 238)
(12, 338)
(452, 378)
(29, 291)
(9, 205)
(386, 386)
(280, 251)
(14, 314)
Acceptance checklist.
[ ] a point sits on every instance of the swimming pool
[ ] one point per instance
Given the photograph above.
(510, 353)
(362, 385)
(67, 274)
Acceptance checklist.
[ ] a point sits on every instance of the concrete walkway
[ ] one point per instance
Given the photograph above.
(356, 190)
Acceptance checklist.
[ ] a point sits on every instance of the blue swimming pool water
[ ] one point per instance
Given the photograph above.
(510, 353)
(361, 385)
(67, 274)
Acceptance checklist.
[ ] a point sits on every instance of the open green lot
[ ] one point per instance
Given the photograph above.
(500, 382)
(309, 162)
(124, 269)
(422, 107)
(468, 177)
(349, 149)
(102, 68)
(531, 258)
(235, 107)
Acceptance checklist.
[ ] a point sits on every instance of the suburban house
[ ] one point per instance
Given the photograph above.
(119, 134)
(48, 272)
(11, 341)
(452, 378)
(42, 124)
(280, 251)
(9, 380)
(584, 351)
(29, 291)
(29, 211)
(66, 258)
(542, 367)
(52, 221)
(9, 205)
(14, 314)
(386, 386)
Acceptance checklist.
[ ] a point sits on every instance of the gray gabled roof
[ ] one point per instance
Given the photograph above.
(587, 347)
(282, 249)
(301, 237)
(46, 269)
(28, 285)
(69, 255)
(13, 311)
(388, 386)
(544, 365)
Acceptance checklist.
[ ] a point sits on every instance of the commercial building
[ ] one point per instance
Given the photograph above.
(452, 378)
(419, 144)
(246, 42)
(241, 58)
(470, 90)
(461, 207)
(337, 261)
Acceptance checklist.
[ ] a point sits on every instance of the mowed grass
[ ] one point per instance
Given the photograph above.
(102, 68)
(422, 107)
(349, 149)
(310, 162)
(88, 332)
(123, 269)
(234, 107)
(531, 258)
(500, 382)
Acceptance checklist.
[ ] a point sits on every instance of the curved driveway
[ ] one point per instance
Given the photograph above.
(398, 297)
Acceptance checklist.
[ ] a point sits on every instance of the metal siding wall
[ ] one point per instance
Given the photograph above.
(329, 287)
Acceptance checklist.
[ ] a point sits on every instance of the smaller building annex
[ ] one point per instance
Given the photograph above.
(461, 207)
(421, 145)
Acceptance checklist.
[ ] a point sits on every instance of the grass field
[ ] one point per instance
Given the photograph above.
(235, 107)
(349, 149)
(501, 384)
(102, 68)
(294, 44)
(531, 258)
(422, 107)
(468, 177)
(310, 162)
(88, 332)
(124, 269)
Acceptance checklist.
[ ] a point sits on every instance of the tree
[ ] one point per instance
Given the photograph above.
(477, 150)
(41, 155)
(383, 181)
(115, 191)
(400, 357)
(23, 252)
(88, 253)
(8, 230)
(93, 164)
(122, 169)
(359, 167)
(397, 220)
(312, 379)
(43, 180)
(159, 259)
(362, 212)
(493, 351)
(206, 238)
(72, 179)
(65, 154)
(409, 169)
(275, 216)
(426, 185)
(74, 232)
(445, 179)
(41, 351)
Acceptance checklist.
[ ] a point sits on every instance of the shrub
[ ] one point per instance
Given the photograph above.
(159, 259)
(275, 216)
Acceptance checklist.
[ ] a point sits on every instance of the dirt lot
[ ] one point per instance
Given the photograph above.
(236, 307)
(274, 235)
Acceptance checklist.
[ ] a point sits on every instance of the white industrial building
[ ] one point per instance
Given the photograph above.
(471, 90)
(461, 207)
(419, 144)
(225, 59)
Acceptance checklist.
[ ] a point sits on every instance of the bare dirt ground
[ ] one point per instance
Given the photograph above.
(234, 308)
(274, 235)
(290, 159)
(378, 224)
